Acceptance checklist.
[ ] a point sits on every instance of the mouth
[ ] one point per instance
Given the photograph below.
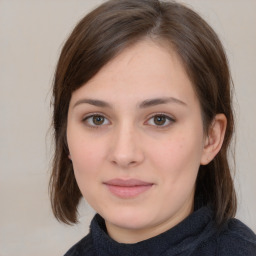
(127, 188)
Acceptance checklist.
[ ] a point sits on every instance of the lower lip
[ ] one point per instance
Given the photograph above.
(128, 192)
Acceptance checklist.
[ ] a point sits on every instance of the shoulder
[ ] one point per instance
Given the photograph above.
(237, 239)
(83, 247)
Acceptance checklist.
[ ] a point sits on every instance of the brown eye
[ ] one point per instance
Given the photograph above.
(160, 120)
(98, 120)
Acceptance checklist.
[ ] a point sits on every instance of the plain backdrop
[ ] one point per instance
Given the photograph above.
(32, 33)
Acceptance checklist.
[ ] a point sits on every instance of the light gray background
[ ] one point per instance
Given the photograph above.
(31, 35)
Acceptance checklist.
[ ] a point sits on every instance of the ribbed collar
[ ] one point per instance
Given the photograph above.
(183, 237)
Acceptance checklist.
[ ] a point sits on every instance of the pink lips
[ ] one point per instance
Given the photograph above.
(127, 188)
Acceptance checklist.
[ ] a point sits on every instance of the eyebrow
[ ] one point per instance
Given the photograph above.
(144, 104)
(97, 103)
(159, 101)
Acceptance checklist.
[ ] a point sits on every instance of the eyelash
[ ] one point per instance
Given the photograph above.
(168, 119)
(85, 120)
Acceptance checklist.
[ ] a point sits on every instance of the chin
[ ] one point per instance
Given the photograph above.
(129, 219)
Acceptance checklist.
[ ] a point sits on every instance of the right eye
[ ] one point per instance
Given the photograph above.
(95, 121)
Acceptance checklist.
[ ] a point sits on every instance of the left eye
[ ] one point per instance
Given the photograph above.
(160, 120)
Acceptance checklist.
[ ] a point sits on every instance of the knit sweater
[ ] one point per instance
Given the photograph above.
(197, 235)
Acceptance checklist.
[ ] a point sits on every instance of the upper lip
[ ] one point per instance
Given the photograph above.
(127, 183)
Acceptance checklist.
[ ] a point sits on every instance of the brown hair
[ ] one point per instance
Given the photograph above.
(97, 39)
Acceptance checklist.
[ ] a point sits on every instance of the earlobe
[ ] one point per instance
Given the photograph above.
(214, 139)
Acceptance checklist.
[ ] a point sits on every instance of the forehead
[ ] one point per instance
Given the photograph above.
(143, 70)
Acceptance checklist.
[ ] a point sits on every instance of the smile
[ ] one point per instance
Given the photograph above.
(127, 188)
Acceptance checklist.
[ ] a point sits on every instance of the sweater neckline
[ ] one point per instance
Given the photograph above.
(184, 236)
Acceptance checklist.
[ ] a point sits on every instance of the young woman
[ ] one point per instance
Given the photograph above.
(143, 121)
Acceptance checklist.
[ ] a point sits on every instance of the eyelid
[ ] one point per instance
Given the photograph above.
(93, 114)
(167, 116)
(90, 115)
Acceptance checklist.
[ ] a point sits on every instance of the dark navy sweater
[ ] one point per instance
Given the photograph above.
(197, 235)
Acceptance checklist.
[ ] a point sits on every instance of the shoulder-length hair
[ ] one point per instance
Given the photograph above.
(98, 38)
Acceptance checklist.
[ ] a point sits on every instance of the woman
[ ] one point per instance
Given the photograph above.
(143, 121)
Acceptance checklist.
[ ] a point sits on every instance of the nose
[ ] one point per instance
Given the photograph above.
(126, 149)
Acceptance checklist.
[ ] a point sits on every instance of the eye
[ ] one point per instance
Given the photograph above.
(160, 120)
(96, 120)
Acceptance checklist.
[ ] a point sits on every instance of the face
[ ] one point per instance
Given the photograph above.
(136, 140)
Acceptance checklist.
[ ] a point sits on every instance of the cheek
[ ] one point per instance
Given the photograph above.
(85, 157)
(86, 165)
(178, 157)
(85, 153)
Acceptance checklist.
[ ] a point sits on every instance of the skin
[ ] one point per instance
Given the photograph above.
(127, 142)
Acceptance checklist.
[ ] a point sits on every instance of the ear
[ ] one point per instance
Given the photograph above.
(214, 139)
(69, 156)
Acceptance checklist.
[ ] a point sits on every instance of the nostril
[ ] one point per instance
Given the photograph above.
(124, 150)
(124, 162)
(132, 163)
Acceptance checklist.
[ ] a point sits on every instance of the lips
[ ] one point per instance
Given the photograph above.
(127, 188)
